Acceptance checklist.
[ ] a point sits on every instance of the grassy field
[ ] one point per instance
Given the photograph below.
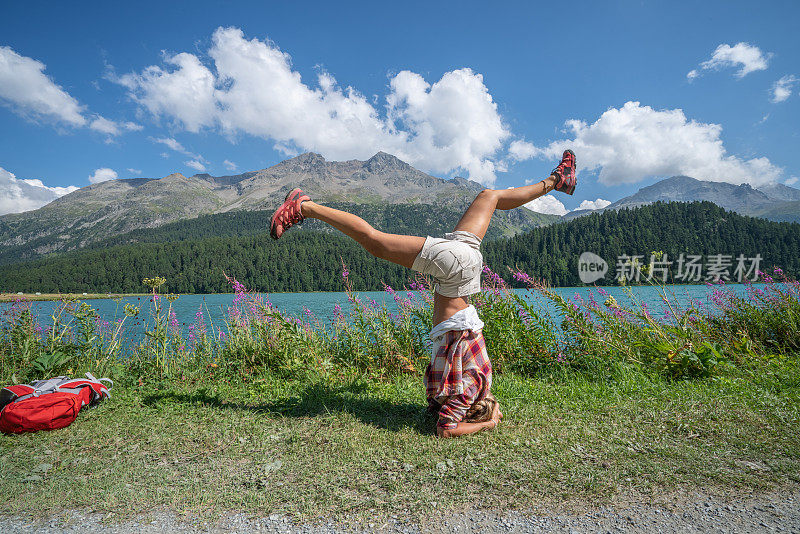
(602, 402)
(355, 447)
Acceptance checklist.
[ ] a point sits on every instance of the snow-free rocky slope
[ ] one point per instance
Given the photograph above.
(111, 208)
(776, 202)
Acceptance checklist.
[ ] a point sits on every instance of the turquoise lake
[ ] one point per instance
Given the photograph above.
(320, 306)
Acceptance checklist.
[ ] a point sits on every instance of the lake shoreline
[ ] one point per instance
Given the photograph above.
(11, 297)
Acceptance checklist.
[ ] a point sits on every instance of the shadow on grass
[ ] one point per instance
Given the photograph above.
(317, 399)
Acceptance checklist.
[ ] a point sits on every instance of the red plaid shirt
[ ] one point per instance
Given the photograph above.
(459, 375)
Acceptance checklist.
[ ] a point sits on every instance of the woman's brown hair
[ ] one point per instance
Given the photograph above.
(481, 411)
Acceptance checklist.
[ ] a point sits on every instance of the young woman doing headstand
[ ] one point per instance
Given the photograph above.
(459, 377)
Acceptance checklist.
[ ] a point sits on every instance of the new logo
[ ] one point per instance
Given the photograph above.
(591, 267)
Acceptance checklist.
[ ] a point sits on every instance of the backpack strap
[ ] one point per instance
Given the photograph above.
(48, 386)
(99, 389)
(36, 388)
(91, 377)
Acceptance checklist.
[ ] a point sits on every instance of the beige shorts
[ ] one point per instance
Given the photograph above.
(455, 262)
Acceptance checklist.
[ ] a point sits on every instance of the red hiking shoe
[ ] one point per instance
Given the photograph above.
(565, 172)
(288, 214)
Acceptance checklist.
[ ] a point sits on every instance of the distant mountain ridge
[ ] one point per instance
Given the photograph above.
(776, 202)
(116, 207)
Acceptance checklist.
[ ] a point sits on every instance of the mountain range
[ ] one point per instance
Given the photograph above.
(383, 189)
(776, 202)
(107, 209)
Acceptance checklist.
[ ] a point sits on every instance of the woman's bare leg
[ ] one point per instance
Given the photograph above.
(476, 220)
(477, 217)
(399, 249)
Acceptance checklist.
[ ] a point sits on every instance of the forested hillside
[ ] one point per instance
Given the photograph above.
(311, 260)
(700, 228)
(421, 219)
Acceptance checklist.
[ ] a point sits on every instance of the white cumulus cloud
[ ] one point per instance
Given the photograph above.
(791, 181)
(250, 87)
(231, 166)
(635, 142)
(184, 92)
(782, 89)
(594, 204)
(744, 56)
(134, 171)
(520, 150)
(109, 127)
(26, 89)
(194, 164)
(173, 144)
(18, 195)
(103, 174)
(547, 204)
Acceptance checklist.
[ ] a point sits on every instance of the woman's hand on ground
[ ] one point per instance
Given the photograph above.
(496, 415)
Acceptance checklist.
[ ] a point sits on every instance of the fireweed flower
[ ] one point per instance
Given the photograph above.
(523, 277)
(400, 301)
(493, 277)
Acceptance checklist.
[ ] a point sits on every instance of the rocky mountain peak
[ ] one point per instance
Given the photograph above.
(308, 157)
(383, 162)
(307, 162)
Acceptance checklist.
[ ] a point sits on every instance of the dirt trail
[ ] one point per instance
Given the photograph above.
(778, 512)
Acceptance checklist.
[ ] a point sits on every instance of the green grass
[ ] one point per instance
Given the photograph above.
(355, 447)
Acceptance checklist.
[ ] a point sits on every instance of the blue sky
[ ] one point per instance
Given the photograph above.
(472, 89)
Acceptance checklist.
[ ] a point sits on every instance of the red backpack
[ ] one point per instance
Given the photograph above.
(48, 404)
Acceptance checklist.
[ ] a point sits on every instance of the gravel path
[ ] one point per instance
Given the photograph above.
(697, 513)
